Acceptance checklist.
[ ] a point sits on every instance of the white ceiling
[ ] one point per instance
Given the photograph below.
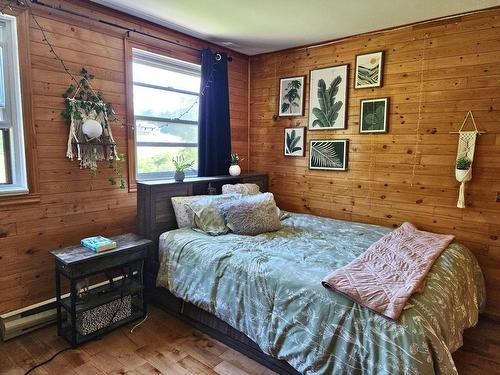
(257, 26)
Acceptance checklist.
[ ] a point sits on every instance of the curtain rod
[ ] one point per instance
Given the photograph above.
(108, 23)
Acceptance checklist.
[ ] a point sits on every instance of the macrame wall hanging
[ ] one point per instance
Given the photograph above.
(90, 138)
(465, 156)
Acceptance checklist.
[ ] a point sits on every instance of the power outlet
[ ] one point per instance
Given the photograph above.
(498, 196)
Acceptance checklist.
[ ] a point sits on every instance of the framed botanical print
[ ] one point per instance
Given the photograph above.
(291, 101)
(373, 115)
(295, 141)
(369, 68)
(328, 154)
(328, 98)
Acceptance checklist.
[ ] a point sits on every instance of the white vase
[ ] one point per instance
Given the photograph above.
(463, 175)
(234, 170)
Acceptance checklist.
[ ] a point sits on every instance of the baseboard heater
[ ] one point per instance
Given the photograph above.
(27, 319)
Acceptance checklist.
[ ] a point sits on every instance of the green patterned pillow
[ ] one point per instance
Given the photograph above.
(207, 216)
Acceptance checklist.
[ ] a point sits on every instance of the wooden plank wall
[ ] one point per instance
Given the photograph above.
(449, 67)
(71, 206)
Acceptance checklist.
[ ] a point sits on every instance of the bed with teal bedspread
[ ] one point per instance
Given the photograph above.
(269, 287)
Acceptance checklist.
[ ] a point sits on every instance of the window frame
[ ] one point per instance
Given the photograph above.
(13, 120)
(159, 60)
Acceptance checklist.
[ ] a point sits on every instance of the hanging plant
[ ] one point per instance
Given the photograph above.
(90, 137)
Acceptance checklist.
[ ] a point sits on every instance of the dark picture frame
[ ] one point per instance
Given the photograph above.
(295, 138)
(288, 101)
(373, 115)
(369, 70)
(326, 154)
(321, 117)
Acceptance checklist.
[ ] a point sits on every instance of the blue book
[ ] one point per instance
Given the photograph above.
(98, 243)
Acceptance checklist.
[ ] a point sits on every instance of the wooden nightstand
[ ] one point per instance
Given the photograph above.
(109, 305)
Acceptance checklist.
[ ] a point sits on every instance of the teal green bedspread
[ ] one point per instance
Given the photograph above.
(269, 288)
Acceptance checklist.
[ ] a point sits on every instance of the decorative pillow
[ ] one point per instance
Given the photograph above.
(207, 216)
(252, 214)
(245, 189)
(183, 214)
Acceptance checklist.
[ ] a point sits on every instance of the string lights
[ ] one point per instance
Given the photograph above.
(420, 100)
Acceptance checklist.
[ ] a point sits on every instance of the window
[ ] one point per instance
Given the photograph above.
(12, 159)
(166, 94)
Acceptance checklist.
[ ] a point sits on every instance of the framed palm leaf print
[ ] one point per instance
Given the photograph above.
(328, 98)
(328, 154)
(291, 101)
(295, 141)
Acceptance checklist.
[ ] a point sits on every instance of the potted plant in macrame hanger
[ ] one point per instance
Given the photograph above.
(463, 171)
(235, 169)
(181, 165)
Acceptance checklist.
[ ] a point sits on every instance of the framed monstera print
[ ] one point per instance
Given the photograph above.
(291, 101)
(328, 98)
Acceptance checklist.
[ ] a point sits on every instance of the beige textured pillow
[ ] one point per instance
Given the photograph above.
(252, 214)
(183, 214)
(245, 189)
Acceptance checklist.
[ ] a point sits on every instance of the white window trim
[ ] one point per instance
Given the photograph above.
(14, 116)
(180, 66)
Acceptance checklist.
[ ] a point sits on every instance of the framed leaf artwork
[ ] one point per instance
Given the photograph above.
(291, 101)
(328, 154)
(373, 115)
(295, 141)
(328, 98)
(369, 68)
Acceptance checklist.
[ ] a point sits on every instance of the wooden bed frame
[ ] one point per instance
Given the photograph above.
(155, 215)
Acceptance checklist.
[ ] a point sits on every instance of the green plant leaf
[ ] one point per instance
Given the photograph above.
(324, 102)
(334, 88)
(321, 116)
(328, 112)
(323, 155)
(292, 139)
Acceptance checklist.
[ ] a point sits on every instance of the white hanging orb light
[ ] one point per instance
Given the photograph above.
(92, 128)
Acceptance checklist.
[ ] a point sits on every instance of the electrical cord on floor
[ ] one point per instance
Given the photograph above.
(138, 324)
(47, 361)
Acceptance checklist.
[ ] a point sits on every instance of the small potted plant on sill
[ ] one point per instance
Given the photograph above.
(181, 165)
(235, 169)
(463, 171)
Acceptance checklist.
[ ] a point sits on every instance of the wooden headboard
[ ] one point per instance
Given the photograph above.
(155, 213)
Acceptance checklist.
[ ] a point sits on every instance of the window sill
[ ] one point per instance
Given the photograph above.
(18, 200)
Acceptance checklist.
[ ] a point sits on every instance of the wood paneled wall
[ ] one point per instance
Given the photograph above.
(435, 70)
(71, 206)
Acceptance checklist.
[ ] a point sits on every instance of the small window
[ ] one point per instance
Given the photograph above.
(166, 95)
(12, 161)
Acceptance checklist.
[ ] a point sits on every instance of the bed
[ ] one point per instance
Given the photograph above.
(267, 288)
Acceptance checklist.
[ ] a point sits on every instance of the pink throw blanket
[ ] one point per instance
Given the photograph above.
(385, 276)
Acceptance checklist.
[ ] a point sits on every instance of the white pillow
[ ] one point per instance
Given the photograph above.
(245, 189)
(183, 214)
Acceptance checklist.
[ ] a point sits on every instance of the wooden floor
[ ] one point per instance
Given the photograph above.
(165, 345)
